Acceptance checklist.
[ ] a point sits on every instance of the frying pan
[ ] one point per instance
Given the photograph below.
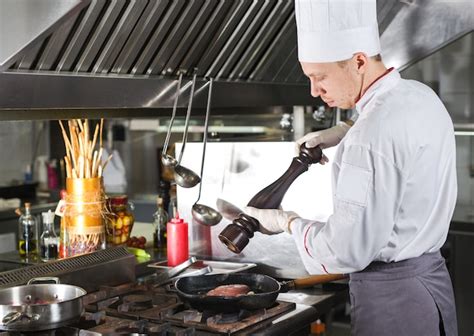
(193, 290)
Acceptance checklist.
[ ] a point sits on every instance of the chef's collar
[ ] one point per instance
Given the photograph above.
(385, 82)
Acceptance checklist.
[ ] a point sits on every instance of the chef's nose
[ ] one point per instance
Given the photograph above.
(316, 89)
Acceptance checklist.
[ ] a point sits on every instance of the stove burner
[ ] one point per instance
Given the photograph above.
(139, 300)
(143, 327)
(135, 303)
(211, 317)
(140, 328)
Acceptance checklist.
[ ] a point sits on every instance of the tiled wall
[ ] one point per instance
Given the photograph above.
(450, 72)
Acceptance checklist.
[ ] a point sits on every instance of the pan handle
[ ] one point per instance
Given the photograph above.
(15, 316)
(311, 281)
(44, 280)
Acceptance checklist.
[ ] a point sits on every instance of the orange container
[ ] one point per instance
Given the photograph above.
(84, 215)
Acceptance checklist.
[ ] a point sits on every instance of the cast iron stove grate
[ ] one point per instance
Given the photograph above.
(226, 323)
(136, 303)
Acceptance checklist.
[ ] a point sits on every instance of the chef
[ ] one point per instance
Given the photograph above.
(394, 178)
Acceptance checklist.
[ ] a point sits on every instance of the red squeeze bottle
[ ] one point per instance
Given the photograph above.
(177, 241)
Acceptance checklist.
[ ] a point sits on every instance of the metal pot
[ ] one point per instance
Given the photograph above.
(42, 306)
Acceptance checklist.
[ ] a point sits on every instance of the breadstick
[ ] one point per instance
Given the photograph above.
(94, 140)
(79, 123)
(94, 163)
(66, 139)
(88, 171)
(106, 161)
(68, 166)
(101, 127)
(81, 166)
(99, 158)
(86, 131)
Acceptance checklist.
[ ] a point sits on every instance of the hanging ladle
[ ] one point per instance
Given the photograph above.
(202, 213)
(183, 176)
(166, 159)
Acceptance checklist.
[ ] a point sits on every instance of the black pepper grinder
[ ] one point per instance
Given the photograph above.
(237, 234)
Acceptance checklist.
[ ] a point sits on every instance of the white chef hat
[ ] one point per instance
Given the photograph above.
(334, 30)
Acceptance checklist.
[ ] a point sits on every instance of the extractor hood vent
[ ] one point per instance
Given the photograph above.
(250, 40)
(114, 55)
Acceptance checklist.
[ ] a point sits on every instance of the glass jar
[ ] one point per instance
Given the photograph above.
(120, 221)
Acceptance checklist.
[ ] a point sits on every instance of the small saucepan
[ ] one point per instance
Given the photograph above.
(40, 306)
(193, 290)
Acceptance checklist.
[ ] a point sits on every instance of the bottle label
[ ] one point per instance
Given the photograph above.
(51, 241)
(61, 207)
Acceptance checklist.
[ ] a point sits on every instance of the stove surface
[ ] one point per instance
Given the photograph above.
(142, 309)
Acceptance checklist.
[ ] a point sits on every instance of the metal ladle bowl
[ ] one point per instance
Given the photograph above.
(204, 214)
(168, 160)
(183, 176)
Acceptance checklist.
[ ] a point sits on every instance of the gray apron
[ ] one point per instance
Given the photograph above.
(412, 297)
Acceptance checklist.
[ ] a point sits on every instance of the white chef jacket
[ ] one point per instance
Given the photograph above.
(394, 182)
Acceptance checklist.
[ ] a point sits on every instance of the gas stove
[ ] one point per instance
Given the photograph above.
(143, 309)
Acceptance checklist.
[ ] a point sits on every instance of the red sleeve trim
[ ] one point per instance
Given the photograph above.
(306, 246)
(304, 240)
(324, 268)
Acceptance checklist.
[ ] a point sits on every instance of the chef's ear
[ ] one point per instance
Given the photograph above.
(361, 61)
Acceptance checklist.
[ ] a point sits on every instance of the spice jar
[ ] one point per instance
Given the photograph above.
(120, 221)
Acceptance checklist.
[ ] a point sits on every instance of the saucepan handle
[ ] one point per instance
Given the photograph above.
(311, 281)
(15, 316)
(46, 280)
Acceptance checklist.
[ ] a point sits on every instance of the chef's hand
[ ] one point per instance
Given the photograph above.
(326, 138)
(272, 221)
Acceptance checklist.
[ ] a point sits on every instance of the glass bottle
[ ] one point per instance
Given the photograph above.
(160, 218)
(28, 233)
(49, 241)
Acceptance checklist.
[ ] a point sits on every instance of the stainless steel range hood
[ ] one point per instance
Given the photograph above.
(24, 22)
(124, 55)
(414, 29)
